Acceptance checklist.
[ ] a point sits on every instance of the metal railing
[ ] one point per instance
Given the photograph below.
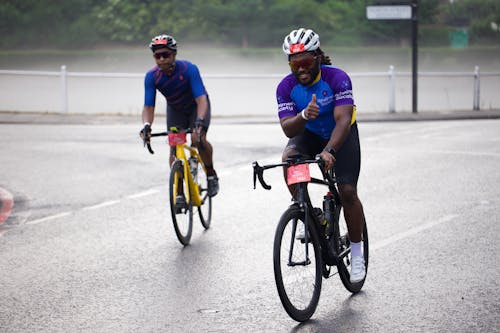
(391, 75)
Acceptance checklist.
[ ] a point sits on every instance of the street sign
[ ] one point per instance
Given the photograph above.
(402, 12)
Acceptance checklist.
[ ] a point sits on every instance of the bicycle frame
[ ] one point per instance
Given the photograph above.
(181, 148)
(306, 206)
(194, 191)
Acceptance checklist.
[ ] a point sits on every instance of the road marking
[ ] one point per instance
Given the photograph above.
(437, 151)
(138, 195)
(143, 194)
(7, 204)
(411, 232)
(48, 218)
(102, 204)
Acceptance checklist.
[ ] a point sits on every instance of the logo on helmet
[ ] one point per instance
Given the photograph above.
(296, 48)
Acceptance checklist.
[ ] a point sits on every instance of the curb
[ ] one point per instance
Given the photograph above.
(101, 119)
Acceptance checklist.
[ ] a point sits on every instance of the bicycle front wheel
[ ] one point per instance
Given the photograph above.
(297, 267)
(205, 209)
(181, 206)
(342, 243)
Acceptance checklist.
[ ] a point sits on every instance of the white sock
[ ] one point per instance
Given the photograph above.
(356, 249)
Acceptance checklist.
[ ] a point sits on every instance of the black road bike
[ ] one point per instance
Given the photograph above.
(300, 263)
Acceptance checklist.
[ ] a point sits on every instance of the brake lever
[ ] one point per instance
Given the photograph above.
(258, 171)
(145, 141)
(149, 147)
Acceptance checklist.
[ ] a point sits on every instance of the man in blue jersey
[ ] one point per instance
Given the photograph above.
(188, 105)
(316, 111)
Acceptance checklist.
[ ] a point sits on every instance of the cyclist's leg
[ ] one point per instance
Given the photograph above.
(347, 169)
(205, 149)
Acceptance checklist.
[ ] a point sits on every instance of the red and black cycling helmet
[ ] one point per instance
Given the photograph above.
(163, 41)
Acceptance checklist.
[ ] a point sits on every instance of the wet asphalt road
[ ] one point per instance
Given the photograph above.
(89, 246)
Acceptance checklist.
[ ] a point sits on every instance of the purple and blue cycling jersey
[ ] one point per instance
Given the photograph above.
(333, 88)
(180, 89)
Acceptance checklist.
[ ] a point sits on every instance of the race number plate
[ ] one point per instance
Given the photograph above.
(298, 174)
(175, 139)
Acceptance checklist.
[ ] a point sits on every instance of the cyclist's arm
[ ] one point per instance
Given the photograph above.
(343, 116)
(343, 110)
(149, 98)
(293, 125)
(148, 114)
(202, 106)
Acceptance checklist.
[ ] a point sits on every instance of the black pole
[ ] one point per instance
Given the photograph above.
(414, 33)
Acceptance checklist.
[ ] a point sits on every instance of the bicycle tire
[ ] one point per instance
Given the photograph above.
(341, 241)
(298, 296)
(182, 214)
(205, 209)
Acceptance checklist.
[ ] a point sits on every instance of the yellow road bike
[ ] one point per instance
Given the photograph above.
(188, 186)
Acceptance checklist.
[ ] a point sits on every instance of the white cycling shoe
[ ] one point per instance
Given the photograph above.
(300, 232)
(358, 270)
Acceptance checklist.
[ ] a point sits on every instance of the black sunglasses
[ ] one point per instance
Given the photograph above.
(163, 54)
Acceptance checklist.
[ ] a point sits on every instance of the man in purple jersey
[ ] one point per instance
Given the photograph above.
(188, 105)
(316, 111)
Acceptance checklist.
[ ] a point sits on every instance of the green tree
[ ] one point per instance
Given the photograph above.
(32, 23)
(477, 16)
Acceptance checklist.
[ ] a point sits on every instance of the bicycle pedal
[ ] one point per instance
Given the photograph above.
(180, 204)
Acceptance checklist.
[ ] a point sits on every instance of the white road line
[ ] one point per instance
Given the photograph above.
(411, 232)
(48, 218)
(152, 191)
(143, 194)
(448, 152)
(102, 204)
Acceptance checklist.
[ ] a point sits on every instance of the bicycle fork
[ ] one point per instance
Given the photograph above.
(303, 207)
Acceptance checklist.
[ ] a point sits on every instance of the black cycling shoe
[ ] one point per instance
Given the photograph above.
(180, 204)
(213, 185)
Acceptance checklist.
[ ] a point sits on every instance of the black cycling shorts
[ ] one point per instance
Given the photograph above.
(348, 157)
(186, 118)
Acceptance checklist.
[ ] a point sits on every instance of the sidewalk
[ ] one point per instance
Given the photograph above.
(93, 119)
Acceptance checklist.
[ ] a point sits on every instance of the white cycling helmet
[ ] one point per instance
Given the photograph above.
(163, 41)
(301, 40)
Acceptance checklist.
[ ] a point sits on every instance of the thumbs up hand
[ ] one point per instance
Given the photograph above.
(312, 109)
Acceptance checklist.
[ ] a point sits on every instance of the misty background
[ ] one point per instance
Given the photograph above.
(227, 39)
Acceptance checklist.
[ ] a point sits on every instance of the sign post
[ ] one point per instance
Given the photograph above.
(402, 12)
(414, 37)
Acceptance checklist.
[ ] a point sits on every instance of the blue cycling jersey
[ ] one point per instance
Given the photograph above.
(333, 88)
(180, 89)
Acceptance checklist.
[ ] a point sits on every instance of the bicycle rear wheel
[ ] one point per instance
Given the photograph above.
(342, 243)
(180, 207)
(205, 209)
(298, 277)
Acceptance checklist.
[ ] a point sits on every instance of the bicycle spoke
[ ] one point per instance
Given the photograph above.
(298, 269)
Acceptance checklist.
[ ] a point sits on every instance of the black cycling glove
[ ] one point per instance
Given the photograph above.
(144, 133)
(200, 122)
